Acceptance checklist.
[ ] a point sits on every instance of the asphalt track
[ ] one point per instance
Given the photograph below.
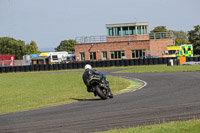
(166, 97)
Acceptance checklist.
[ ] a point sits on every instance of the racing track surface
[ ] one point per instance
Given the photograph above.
(167, 97)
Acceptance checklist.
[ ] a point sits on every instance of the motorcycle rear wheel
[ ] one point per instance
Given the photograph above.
(102, 93)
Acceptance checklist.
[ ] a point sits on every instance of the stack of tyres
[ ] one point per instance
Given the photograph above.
(31, 68)
(22, 69)
(146, 62)
(17, 69)
(36, 67)
(131, 62)
(164, 60)
(126, 62)
(7, 69)
(107, 63)
(46, 68)
(160, 61)
(74, 65)
(155, 61)
(65, 66)
(55, 66)
(141, 62)
(69, 65)
(41, 67)
(103, 63)
(60, 66)
(112, 63)
(93, 64)
(136, 62)
(26, 68)
(82, 64)
(150, 60)
(2, 70)
(12, 69)
(98, 64)
(120, 62)
(116, 63)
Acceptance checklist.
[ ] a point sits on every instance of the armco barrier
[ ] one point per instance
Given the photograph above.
(77, 65)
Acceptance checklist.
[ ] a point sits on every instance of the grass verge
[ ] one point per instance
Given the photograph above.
(161, 68)
(192, 126)
(24, 91)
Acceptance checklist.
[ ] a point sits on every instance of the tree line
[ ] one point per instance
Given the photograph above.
(11, 46)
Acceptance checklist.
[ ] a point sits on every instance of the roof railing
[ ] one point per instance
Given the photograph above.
(104, 38)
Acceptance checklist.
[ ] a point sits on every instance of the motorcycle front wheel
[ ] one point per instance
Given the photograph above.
(102, 93)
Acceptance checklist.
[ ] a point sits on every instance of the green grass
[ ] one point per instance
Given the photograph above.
(161, 68)
(192, 126)
(24, 91)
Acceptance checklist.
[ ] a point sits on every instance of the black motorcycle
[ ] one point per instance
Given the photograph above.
(100, 86)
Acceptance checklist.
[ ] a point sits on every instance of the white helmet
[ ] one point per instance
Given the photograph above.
(88, 66)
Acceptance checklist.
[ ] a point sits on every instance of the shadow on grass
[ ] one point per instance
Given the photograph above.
(77, 99)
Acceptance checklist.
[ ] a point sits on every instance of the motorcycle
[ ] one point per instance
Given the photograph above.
(100, 86)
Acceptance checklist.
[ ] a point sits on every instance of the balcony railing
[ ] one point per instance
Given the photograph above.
(104, 38)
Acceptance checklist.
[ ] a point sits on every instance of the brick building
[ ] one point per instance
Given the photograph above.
(123, 41)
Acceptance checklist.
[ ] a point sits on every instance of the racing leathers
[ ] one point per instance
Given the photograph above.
(87, 76)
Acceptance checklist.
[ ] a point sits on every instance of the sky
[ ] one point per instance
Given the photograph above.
(48, 22)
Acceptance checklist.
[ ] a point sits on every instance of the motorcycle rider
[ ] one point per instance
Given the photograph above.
(86, 77)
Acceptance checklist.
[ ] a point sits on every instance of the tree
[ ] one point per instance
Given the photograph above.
(10, 46)
(159, 29)
(66, 45)
(180, 37)
(32, 48)
(194, 38)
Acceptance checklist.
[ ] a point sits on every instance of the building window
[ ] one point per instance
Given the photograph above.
(125, 30)
(132, 30)
(139, 30)
(110, 32)
(117, 31)
(82, 55)
(92, 55)
(117, 54)
(139, 53)
(104, 55)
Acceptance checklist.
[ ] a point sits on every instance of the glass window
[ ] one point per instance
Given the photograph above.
(92, 55)
(139, 53)
(139, 30)
(112, 55)
(54, 57)
(125, 30)
(110, 32)
(145, 30)
(82, 55)
(104, 55)
(132, 30)
(117, 31)
(117, 54)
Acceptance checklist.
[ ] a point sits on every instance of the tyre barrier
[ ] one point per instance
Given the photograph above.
(106, 63)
